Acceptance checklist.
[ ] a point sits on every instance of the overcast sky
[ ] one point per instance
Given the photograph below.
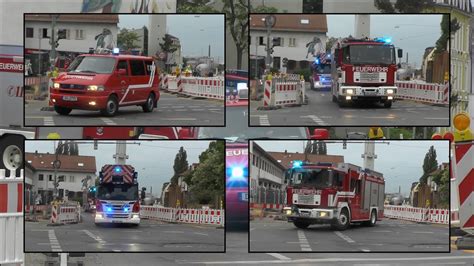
(153, 160)
(399, 161)
(413, 35)
(195, 32)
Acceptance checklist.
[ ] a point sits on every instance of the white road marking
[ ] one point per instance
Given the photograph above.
(55, 247)
(251, 229)
(343, 236)
(96, 238)
(108, 121)
(303, 241)
(264, 120)
(437, 118)
(48, 121)
(203, 234)
(422, 232)
(320, 260)
(175, 232)
(279, 256)
(315, 119)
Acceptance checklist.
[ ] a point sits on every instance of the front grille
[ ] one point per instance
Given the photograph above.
(368, 77)
(73, 86)
(305, 199)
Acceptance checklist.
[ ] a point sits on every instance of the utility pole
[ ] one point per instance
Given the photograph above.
(362, 26)
(369, 155)
(270, 21)
(120, 155)
(52, 41)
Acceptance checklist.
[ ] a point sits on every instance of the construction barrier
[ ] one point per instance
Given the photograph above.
(31, 81)
(11, 218)
(438, 216)
(211, 88)
(63, 214)
(197, 216)
(281, 92)
(464, 158)
(423, 92)
(265, 206)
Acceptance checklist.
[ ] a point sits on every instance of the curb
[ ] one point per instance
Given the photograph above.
(268, 108)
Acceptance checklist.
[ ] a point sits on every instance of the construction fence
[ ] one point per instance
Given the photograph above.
(178, 215)
(197, 87)
(426, 215)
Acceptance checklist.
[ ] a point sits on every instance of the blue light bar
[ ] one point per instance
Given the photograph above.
(316, 61)
(109, 209)
(117, 169)
(116, 51)
(125, 209)
(297, 164)
(237, 172)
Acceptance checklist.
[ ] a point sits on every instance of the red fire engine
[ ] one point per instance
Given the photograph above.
(335, 194)
(364, 69)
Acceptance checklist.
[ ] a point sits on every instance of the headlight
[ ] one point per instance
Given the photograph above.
(317, 83)
(99, 216)
(56, 85)
(136, 216)
(288, 212)
(323, 214)
(389, 91)
(95, 88)
(350, 91)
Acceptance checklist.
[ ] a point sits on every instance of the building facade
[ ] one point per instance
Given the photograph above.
(283, 6)
(142, 42)
(72, 171)
(353, 6)
(295, 32)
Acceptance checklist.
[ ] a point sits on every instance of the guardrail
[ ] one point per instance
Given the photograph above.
(438, 216)
(11, 218)
(196, 216)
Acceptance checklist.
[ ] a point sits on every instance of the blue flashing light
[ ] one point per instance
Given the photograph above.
(237, 172)
(328, 56)
(387, 40)
(116, 51)
(117, 169)
(109, 209)
(297, 164)
(125, 209)
(316, 61)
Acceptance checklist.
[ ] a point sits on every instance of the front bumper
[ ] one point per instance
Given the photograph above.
(101, 218)
(357, 92)
(83, 101)
(317, 215)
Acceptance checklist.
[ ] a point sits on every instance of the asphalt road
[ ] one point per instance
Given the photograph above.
(237, 254)
(387, 236)
(152, 236)
(171, 111)
(321, 111)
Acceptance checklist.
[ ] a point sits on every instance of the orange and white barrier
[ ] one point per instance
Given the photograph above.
(423, 92)
(438, 216)
(281, 92)
(11, 218)
(464, 154)
(31, 81)
(65, 214)
(273, 206)
(210, 87)
(197, 216)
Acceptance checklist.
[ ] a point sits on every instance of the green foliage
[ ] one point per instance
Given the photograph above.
(403, 6)
(195, 6)
(395, 133)
(237, 22)
(442, 42)
(312, 6)
(443, 181)
(167, 45)
(264, 9)
(180, 164)
(429, 164)
(126, 39)
(305, 72)
(330, 42)
(207, 183)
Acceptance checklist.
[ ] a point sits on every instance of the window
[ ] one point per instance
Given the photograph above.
(68, 34)
(137, 68)
(276, 62)
(29, 33)
(50, 177)
(79, 34)
(40, 177)
(61, 178)
(123, 64)
(260, 40)
(292, 42)
(148, 67)
(44, 33)
(72, 179)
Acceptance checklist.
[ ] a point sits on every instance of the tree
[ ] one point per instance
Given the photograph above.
(446, 27)
(195, 6)
(429, 164)
(264, 9)
(403, 6)
(180, 164)
(312, 6)
(237, 22)
(330, 42)
(167, 45)
(126, 39)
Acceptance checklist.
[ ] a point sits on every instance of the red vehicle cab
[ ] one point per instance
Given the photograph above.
(106, 82)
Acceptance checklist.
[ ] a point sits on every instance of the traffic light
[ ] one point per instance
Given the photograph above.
(376, 133)
(462, 130)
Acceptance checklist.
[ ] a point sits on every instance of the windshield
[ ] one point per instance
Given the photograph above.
(369, 54)
(237, 128)
(118, 192)
(318, 178)
(91, 64)
(323, 69)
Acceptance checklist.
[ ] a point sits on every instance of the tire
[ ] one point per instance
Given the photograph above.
(334, 99)
(301, 224)
(387, 104)
(150, 104)
(343, 221)
(62, 110)
(111, 107)
(373, 219)
(12, 157)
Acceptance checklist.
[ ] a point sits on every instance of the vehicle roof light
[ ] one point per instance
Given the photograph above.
(117, 169)
(237, 172)
(297, 164)
(116, 51)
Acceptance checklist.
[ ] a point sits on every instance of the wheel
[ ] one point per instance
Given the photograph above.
(334, 99)
(373, 219)
(148, 106)
(301, 224)
(111, 107)
(343, 221)
(11, 148)
(387, 104)
(62, 110)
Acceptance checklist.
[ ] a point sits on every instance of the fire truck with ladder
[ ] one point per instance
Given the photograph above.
(117, 199)
(335, 194)
(363, 68)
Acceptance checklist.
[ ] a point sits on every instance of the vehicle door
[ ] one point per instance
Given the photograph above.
(139, 82)
(123, 80)
(355, 202)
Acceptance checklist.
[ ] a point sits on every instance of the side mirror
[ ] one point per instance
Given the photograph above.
(184, 133)
(320, 133)
(121, 72)
(400, 53)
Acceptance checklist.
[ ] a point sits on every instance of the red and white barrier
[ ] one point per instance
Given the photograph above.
(31, 81)
(464, 154)
(273, 206)
(65, 214)
(211, 88)
(438, 216)
(11, 218)
(283, 92)
(197, 216)
(423, 92)
(267, 93)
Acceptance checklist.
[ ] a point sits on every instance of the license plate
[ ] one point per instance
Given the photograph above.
(304, 214)
(244, 196)
(70, 98)
(370, 92)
